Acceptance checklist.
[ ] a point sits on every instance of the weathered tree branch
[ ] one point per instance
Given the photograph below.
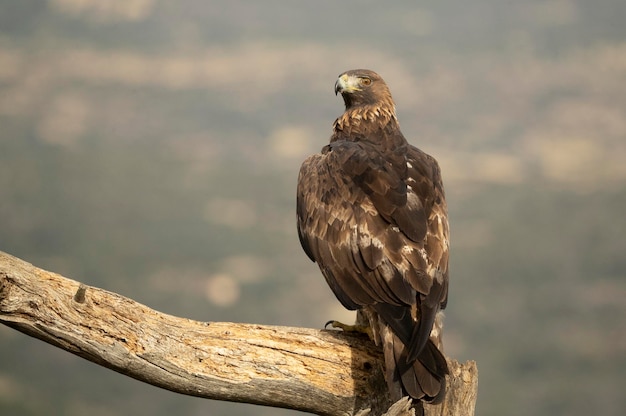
(318, 371)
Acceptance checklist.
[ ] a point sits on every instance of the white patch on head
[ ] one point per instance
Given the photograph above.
(409, 165)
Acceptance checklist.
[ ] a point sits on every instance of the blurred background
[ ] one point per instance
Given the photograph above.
(152, 148)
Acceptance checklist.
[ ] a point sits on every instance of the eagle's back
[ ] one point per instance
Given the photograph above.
(365, 219)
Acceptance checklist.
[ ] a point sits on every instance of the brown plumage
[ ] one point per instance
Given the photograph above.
(372, 214)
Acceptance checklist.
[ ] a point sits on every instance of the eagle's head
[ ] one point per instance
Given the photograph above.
(362, 87)
(368, 101)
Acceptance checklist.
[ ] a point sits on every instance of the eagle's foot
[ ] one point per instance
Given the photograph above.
(361, 329)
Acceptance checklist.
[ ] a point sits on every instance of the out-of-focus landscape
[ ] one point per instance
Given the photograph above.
(152, 148)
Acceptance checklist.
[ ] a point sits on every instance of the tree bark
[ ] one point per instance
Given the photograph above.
(318, 371)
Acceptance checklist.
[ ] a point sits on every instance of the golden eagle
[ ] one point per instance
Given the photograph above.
(372, 214)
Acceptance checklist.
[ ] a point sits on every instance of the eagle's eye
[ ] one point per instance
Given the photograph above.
(366, 81)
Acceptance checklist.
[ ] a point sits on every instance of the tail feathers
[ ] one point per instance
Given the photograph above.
(423, 379)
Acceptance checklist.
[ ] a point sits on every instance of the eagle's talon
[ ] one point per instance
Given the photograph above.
(360, 329)
(331, 323)
(340, 325)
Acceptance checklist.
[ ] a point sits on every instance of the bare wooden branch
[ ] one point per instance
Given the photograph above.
(317, 371)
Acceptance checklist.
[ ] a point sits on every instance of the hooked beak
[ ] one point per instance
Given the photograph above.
(338, 87)
(346, 83)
